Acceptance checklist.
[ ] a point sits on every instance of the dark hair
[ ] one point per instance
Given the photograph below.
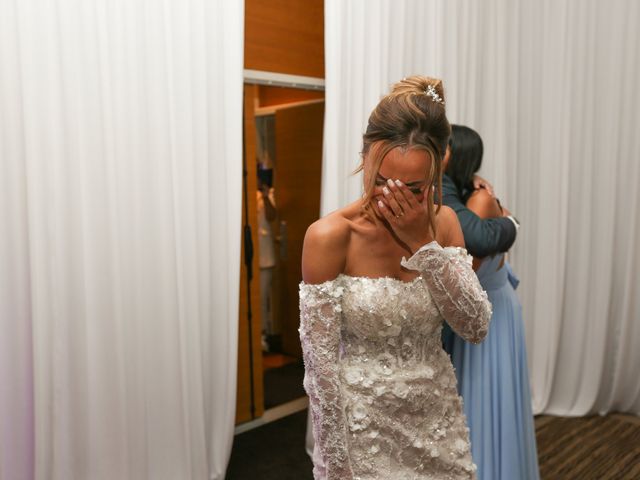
(412, 116)
(265, 175)
(466, 158)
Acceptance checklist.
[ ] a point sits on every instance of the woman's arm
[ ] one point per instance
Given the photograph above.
(483, 204)
(453, 285)
(324, 250)
(482, 236)
(320, 327)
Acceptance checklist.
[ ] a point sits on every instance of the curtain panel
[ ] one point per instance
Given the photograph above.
(120, 194)
(552, 89)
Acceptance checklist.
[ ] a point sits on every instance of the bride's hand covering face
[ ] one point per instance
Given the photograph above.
(402, 193)
(409, 218)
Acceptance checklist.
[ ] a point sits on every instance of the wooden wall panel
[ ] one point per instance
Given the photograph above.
(285, 36)
(278, 95)
(243, 399)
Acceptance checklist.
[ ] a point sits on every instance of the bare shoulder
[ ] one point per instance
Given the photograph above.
(483, 204)
(449, 232)
(325, 248)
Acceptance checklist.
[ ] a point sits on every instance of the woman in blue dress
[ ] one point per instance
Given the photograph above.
(492, 376)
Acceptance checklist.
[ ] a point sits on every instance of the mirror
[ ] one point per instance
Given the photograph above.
(288, 125)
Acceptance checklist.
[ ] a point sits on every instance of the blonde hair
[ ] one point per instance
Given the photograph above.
(411, 116)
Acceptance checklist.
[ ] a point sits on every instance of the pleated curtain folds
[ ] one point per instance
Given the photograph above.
(552, 89)
(120, 199)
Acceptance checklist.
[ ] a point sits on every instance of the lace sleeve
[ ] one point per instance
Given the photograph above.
(320, 323)
(455, 289)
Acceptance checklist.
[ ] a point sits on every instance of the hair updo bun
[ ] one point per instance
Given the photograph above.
(420, 85)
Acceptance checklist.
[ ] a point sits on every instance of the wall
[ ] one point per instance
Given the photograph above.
(285, 36)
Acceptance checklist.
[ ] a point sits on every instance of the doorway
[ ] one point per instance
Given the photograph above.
(283, 155)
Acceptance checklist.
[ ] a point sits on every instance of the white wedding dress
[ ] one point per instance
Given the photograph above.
(382, 391)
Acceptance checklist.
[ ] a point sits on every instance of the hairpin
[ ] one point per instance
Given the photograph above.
(430, 91)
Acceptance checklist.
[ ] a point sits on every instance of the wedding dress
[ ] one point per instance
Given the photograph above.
(382, 391)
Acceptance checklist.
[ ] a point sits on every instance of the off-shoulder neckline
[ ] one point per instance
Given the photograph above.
(430, 245)
(362, 277)
(386, 277)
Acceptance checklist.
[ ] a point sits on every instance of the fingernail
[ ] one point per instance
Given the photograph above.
(386, 191)
(399, 183)
(380, 204)
(390, 182)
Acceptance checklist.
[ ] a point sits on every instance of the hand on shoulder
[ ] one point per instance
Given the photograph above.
(483, 204)
(325, 249)
(449, 232)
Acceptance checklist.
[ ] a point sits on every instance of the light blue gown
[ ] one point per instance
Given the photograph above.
(493, 380)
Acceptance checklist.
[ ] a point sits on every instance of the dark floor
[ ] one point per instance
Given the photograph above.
(587, 448)
(272, 452)
(283, 384)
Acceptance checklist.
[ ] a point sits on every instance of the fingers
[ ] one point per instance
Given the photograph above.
(395, 187)
(401, 199)
(487, 187)
(387, 213)
(408, 197)
(392, 200)
(479, 182)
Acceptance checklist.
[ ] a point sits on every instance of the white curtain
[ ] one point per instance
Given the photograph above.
(120, 196)
(552, 87)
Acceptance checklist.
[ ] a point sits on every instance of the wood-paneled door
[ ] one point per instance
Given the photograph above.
(298, 171)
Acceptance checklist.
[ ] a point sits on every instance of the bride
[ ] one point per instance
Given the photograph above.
(382, 391)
